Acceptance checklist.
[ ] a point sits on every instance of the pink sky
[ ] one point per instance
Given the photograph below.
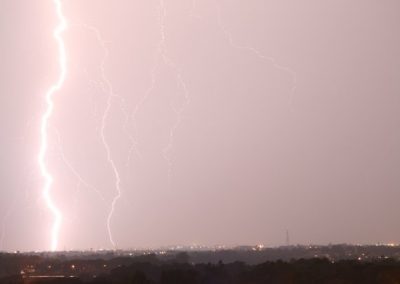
(249, 118)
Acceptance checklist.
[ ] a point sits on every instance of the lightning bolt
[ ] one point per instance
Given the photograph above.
(163, 58)
(178, 114)
(181, 84)
(48, 178)
(108, 89)
(71, 168)
(113, 166)
(256, 52)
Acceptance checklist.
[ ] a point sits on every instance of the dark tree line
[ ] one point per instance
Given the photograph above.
(279, 272)
(299, 271)
(179, 268)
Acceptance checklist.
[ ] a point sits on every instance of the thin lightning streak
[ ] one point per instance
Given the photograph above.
(257, 53)
(74, 171)
(75, 215)
(105, 83)
(146, 95)
(140, 103)
(114, 168)
(178, 111)
(48, 178)
(131, 138)
(161, 55)
(180, 83)
(108, 89)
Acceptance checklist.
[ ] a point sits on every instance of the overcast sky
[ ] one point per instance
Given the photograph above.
(230, 122)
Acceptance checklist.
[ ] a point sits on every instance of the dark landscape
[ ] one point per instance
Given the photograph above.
(250, 265)
(199, 141)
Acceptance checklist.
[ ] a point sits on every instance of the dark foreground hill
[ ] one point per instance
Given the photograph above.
(305, 271)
